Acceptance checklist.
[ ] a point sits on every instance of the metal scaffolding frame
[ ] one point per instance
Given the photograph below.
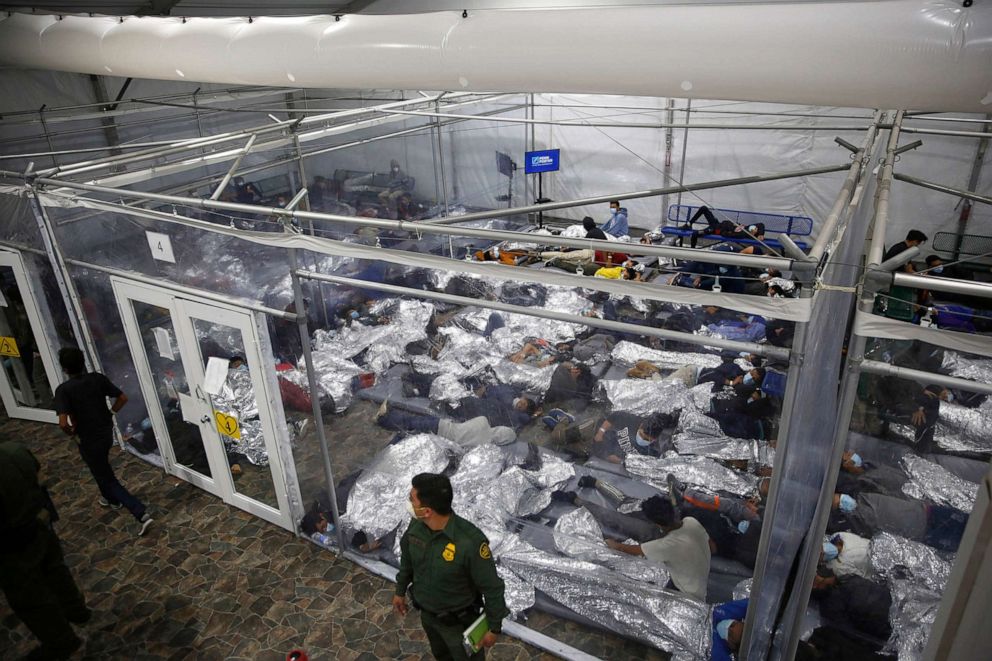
(848, 201)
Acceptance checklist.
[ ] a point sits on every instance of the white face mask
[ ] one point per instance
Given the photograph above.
(642, 440)
(411, 510)
(950, 397)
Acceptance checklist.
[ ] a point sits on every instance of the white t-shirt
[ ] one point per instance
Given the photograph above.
(685, 552)
(853, 558)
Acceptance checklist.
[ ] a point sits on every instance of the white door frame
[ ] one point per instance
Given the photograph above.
(184, 308)
(12, 259)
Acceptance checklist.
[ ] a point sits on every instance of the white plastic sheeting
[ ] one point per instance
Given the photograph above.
(879, 53)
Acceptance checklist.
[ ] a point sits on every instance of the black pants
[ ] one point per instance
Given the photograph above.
(96, 455)
(42, 592)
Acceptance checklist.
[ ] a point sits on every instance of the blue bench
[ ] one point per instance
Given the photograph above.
(679, 215)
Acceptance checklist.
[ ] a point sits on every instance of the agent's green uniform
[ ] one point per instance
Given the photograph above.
(33, 575)
(452, 572)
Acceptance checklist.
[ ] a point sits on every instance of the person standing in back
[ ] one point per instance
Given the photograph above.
(81, 404)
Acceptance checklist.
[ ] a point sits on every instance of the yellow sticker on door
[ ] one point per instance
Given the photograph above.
(8, 347)
(227, 425)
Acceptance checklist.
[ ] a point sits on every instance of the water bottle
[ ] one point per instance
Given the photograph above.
(324, 538)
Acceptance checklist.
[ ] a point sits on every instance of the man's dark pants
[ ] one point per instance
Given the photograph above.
(42, 592)
(446, 639)
(96, 455)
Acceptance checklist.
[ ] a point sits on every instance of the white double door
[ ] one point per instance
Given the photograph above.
(29, 372)
(220, 431)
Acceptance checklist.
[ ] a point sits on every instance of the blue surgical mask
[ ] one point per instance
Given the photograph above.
(743, 526)
(748, 379)
(856, 460)
(641, 440)
(847, 504)
(241, 368)
(830, 552)
(354, 314)
(937, 269)
(950, 397)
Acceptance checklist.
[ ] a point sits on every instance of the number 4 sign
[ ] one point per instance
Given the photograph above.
(161, 247)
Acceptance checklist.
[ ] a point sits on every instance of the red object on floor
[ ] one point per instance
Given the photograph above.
(297, 655)
(294, 397)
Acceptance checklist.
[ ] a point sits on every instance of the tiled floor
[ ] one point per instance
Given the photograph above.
(208, 581)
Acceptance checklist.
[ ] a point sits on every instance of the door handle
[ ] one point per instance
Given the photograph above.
(205, 419)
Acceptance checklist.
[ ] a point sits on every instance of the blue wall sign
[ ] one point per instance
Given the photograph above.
(546, 160)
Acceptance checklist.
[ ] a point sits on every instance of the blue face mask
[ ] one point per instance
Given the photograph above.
(950, 397)
(641, 440)
(748, 379)
(354, 314)
(937, 269)
(856, 460)
(743, 526)
(847, 504)
(241, 368)
(830, 552)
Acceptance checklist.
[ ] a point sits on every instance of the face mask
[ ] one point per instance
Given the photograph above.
(146, 424)
(830, 552)
(950, 397)
(641, 440)
(516, 402)
(937, 269)
(856, 460)
(748, 379)
(411, 510)
(354, 314)
(847, 504)
(614, 210)
(743, 526)
(241, 368)
(723, 269)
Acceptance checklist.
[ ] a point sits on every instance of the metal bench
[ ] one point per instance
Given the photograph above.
(963, 244)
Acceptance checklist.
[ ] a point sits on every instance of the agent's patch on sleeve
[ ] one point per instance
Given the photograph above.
(484, 551)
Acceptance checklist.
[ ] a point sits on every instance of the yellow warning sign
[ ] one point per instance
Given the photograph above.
(227, 425)
(8, 347)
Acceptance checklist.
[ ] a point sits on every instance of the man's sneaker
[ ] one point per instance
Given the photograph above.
(556, 416)
(106, 503)
(146, 523)
(675, 489)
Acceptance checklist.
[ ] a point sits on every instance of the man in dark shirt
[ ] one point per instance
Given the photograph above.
(913, 238)
(446, 563)
(81, 405)
(33, 575)
(853, 603)
(621, 433)
(593, 232)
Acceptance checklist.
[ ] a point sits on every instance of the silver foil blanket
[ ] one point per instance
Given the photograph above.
(386, 343)
(646, 612)
(646, 397)
(934, 483)
(912, 614)
(959, 428)
(517, 327)
(893, 556)
(966, 367)
(466, 353)
(377, 502)
(237, 398)
(698, 471)
(630, 352)
(334, 375)
(725, 448)
(743, 589)
(578, 535)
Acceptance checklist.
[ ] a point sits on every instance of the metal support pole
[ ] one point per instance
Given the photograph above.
(976, 173)
(440, 157)
(70, 296)
(530, 131)
(437, 179)
(318, 417)
(711, 256)
(196, 113)
(967, 195)
(847, 194)
(669, 142)
(48, 136)
(651, 192)
(234, 166)
(885, 369)
(733, 345)
(685, 144)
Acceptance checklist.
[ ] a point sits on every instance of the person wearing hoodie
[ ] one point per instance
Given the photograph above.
(617, 224)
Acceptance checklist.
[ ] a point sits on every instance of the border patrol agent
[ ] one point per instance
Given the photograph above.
(448, 561)
(33, 575)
